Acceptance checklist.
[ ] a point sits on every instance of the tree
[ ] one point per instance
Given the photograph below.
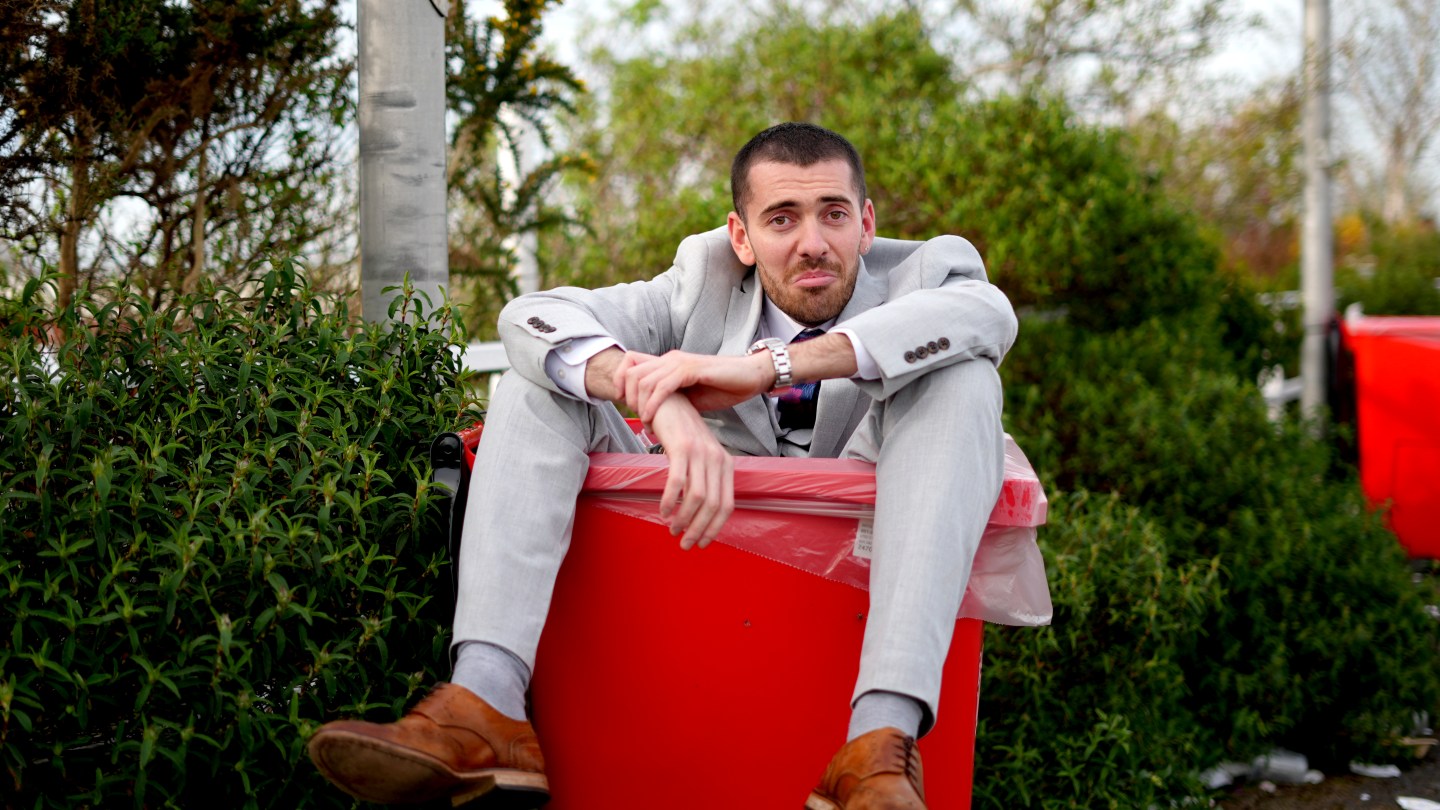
(663, 136)
(1051, 232)
(1238, 169)
(1101, 55)
(498, 84)
(217, 118)
(1391, 69)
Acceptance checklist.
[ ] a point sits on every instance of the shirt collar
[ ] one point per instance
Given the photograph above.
(775, 323)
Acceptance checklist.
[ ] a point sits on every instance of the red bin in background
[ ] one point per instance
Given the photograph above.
(1397, 391)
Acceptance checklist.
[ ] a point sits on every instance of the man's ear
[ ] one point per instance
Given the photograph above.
(740, 238)
(867, 227)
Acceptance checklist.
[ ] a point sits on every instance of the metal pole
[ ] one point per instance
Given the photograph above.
(1317, 271)
(402, 150)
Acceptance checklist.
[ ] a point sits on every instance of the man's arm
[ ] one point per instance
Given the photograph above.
(699, 491)
(827, 357)
(711, 383)
(648, 316)
(939, 310)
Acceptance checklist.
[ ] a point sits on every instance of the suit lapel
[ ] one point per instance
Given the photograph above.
(742, 322)
(840, 400)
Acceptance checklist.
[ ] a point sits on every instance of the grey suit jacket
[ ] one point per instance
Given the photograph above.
(917, 306)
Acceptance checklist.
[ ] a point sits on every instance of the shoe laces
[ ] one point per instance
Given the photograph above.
(911, 756)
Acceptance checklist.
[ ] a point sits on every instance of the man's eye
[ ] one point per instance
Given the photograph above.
(836, 215)
(780, 220)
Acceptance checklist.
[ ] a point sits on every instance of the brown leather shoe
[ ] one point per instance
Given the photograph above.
(452, 745)
(875, 771)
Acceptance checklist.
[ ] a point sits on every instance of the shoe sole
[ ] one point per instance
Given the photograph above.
(495, 796)
(375, 771)
(818, 802)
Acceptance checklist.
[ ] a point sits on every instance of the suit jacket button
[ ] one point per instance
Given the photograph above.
(534, 321)
(547, 329)
(933, 347)
(909, 357)
(944, 343)
(921, 351)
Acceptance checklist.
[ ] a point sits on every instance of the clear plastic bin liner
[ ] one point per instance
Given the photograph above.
(815, 515)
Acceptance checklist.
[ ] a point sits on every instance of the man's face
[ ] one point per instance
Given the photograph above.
(804, 229)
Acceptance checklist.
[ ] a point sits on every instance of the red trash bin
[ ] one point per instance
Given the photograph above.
(721, 678)
(1397, 391)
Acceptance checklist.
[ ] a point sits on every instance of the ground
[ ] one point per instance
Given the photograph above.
(1343, 791)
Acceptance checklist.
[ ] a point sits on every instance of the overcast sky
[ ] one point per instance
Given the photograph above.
(1256, 56)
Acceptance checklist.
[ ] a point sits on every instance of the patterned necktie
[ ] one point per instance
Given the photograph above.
(796, 406)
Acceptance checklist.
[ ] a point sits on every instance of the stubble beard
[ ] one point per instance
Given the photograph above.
(817, 305)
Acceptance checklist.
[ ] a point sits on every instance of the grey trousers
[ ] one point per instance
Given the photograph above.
(938, 447)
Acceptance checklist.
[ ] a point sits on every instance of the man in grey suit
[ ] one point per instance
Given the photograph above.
(795, 294)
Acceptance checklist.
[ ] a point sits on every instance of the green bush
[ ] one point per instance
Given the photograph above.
(215, 532)
(1092, 711)
(1321, 642)
(1402, 282)
(1059, 212)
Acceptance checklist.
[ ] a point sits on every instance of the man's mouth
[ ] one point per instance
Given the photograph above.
(815, 277)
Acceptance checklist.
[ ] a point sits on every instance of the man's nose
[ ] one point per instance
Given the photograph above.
(812, 240)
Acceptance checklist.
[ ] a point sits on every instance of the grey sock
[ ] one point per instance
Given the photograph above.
(495, 674)
(877, 709)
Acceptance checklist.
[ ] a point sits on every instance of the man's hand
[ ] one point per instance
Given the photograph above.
(710, 383)
(700, 485)
(699, 490)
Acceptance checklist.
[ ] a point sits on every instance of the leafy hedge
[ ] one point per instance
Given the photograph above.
(1092, 710)
(1306, 630)
(215, 532)
(1233, 591)
(1402, 280)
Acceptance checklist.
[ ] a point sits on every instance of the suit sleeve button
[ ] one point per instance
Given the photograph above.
(909, 357)
(921, 352)
(533, 321)
(933, 347)
(944, 343)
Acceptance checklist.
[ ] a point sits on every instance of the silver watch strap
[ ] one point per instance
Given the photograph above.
(780, 356)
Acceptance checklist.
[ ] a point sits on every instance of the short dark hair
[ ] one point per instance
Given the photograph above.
(796, 144)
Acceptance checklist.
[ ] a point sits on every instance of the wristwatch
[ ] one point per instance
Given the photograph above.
(780, 356)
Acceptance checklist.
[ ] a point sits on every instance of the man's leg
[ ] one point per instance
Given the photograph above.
(939, 450)
(472, 742)
(529, 468)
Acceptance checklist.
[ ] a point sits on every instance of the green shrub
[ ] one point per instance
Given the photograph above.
(1060, 213)
(215, 532)
(1092, 711)
(1321, 643)
(1402, 282)
(1324, 645)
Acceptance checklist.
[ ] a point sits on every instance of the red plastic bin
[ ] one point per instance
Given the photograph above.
(1397, 389)
(718, 678)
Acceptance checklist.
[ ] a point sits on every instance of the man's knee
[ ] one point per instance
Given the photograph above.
(522, 402)
(956, 388)
(525, 398)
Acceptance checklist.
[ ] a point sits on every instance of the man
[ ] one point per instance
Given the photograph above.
(907, 380)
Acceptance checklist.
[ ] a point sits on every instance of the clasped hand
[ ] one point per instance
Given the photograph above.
(668, 393)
